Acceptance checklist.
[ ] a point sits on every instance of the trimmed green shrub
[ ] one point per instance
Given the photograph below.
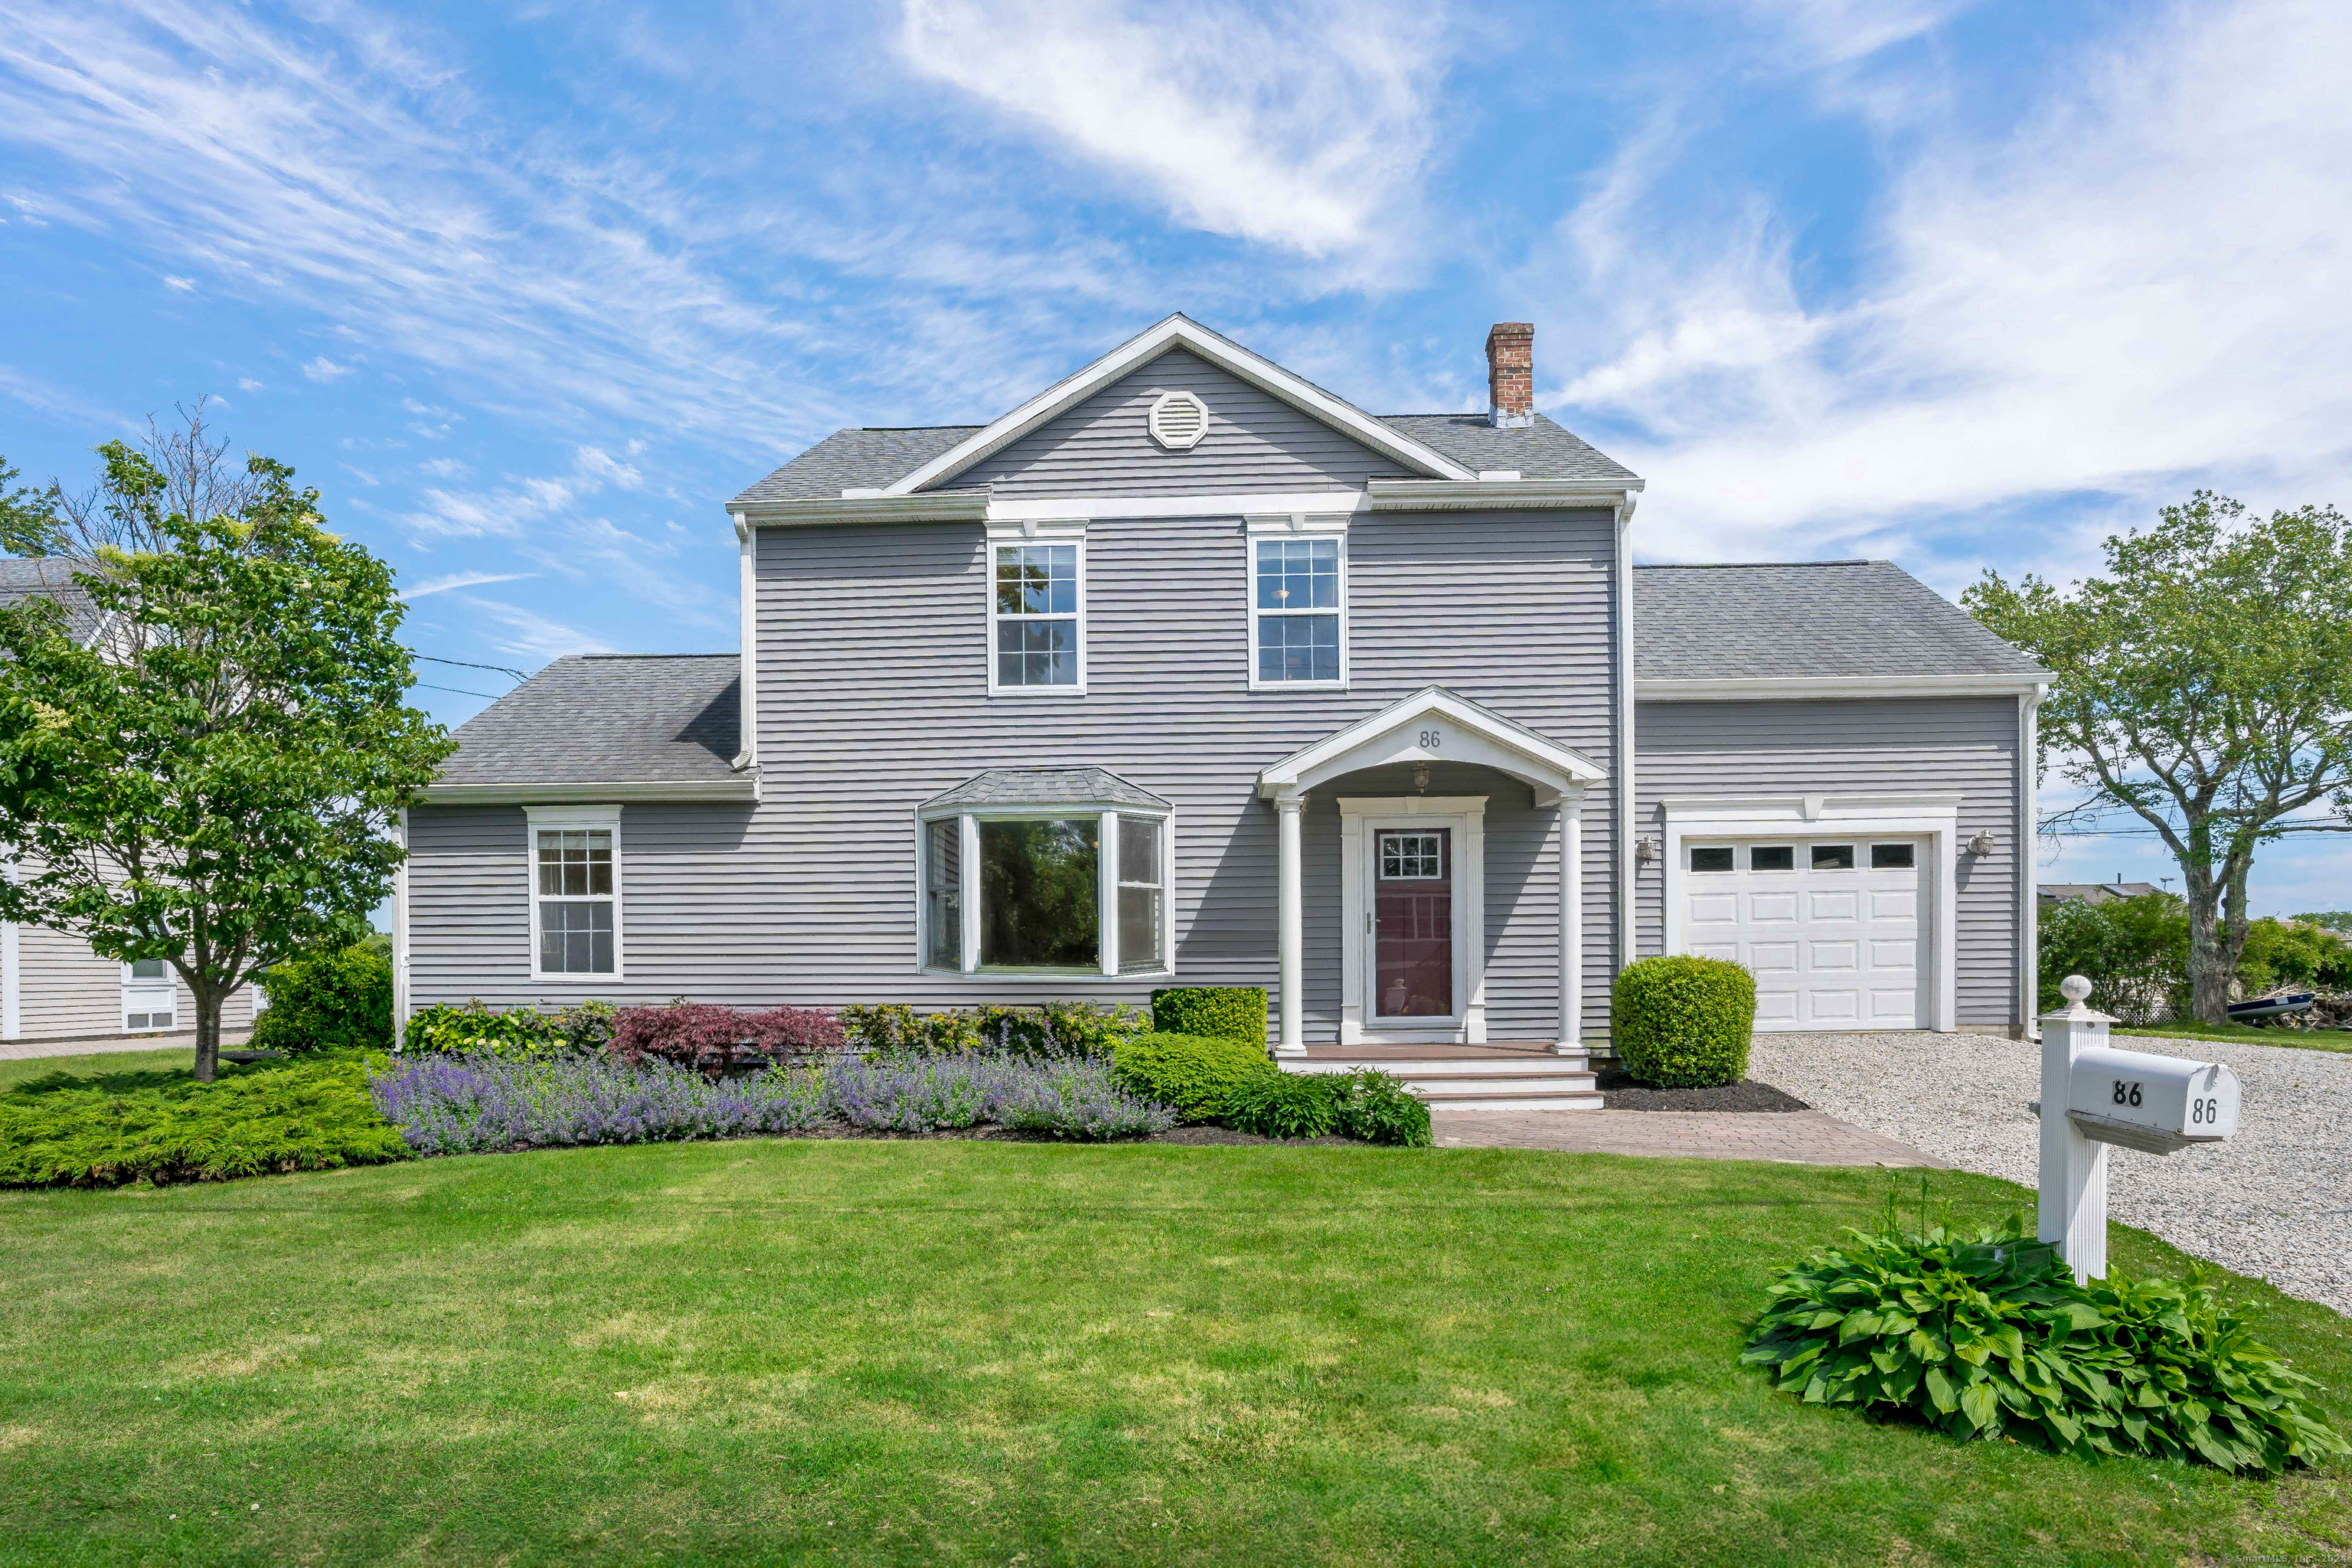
(1219, 1012)
(519, 1033)
(1987, 1335)
(1682, 1023)
(1377, 1109)
(312, 1116)
(1052, 1031)
(1285, 1105)
(1191, 1074)
(337, 999)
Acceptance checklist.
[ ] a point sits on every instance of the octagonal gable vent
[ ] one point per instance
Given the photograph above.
(1179, 420)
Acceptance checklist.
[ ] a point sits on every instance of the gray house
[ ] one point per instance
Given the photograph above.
(1189, 671)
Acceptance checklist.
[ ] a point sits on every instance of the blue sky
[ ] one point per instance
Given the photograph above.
(528, 290)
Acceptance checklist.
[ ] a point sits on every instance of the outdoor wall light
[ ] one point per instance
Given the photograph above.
(1645, 851)
(1420, 778)
(1982, 844)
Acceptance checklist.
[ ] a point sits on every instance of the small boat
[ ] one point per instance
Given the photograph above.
(2260, 1007)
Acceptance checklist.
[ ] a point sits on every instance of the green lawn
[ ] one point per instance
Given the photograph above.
(864, 1351)
(2304, 1039)
(125, 1069)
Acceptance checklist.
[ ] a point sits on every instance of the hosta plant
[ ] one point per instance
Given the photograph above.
(1986, 1334)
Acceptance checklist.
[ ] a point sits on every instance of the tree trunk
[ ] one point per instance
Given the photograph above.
(209, 1017)
(2208, 964)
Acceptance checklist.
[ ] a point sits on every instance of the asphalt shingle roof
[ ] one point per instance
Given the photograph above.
(608, 719)
(53, 576)
(858, 459)
(1805, 618)
(1044, 786)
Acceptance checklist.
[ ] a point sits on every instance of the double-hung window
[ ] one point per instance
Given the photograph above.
(575, 890)
(1068, 890)
(1036, 611)
(1299, 601)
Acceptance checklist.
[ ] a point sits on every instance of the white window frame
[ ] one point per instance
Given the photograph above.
(1106, 871)
(538, 819)
(1000, 535)
(1294, 525)
(167, 985)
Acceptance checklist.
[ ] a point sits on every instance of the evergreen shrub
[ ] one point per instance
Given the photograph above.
(1191, 1074)
(1220, 1011)
(333, 1000)
(1680, 1022)
(1050, 1031)
(1986, 1334)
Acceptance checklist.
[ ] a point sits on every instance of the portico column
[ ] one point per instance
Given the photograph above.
(1572, 928)
(1291, 941)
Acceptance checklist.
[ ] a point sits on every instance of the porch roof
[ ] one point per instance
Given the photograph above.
(1434, 724)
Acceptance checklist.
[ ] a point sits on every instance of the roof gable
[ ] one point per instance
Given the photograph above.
(1413, 455)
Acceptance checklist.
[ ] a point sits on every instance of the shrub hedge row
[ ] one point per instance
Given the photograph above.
(1219, 1012)
(1193, 1075)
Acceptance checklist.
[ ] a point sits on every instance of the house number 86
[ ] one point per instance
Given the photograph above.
(1432, 739)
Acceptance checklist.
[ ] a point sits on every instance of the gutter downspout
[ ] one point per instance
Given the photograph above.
(2028, 877)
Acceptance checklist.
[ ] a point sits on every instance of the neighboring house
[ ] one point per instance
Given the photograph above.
(2093, 892)
(52, 987)
(1189, 671)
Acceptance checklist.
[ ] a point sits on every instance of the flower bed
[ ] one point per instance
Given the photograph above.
(467, 1104)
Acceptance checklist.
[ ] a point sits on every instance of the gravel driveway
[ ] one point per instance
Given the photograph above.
(2274, 1201)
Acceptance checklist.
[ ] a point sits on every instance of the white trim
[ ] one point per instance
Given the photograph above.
(1242, 503)
(949, 506)
(1257, 531)
(1177, 331)
(1002, 536)
(1930, 814)
(1627, 945)
(1790, 687)
(1470, 494)
(401, 994)
(747, 713)
(2028, 877)
(537, 819)
(1463, 731)
(1105, 812)
(1176, 399)
(1572, 928)
(744, 788)
(1361, 821)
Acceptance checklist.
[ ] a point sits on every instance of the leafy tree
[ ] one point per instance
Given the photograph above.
(2203, 684)
(2336, 920)
(212, 778)
(29, 523)
(2134, 951)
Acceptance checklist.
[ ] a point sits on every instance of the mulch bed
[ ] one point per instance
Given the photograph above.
(1619, 1092)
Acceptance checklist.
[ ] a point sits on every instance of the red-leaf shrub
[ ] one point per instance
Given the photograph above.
(706, 1036)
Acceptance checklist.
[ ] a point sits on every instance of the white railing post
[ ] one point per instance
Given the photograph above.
(2072, 1211)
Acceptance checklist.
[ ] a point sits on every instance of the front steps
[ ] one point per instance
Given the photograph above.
(1492, 1080)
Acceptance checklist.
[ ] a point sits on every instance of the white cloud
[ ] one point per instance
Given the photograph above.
(2130, 294)
(246, 383)
(442, 467)
(1301, 129)
(324, 369)
(534, 637)
(596, 462)
(442, 584)
(185, 285)
(1833, 32)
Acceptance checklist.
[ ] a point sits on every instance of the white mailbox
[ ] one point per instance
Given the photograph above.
(2094, 1095)
(2154, 1104)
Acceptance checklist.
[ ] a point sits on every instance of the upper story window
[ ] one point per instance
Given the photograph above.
(575, 904)
(1037, 616)
(1298, 596)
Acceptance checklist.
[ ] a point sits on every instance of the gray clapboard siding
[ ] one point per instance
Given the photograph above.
(1968, 745)
(1103, 445)
(890, 707)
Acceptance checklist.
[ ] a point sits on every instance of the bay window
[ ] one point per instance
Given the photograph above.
(1077, 890)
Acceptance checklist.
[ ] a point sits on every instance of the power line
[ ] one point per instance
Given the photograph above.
(428, 686)
(467, 664)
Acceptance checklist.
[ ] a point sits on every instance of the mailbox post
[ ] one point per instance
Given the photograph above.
(2094, 1095)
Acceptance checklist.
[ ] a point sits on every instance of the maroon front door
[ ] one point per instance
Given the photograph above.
(1413, 923)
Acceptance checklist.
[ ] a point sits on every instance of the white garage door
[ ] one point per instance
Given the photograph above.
(1830, 926)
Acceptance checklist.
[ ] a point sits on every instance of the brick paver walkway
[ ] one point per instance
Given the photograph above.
(94, 1044)
(1796, 1137)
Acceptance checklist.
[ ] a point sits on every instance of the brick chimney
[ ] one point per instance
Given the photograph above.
(1511, 374)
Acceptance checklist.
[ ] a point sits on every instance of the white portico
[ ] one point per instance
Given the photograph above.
(1413, 873)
